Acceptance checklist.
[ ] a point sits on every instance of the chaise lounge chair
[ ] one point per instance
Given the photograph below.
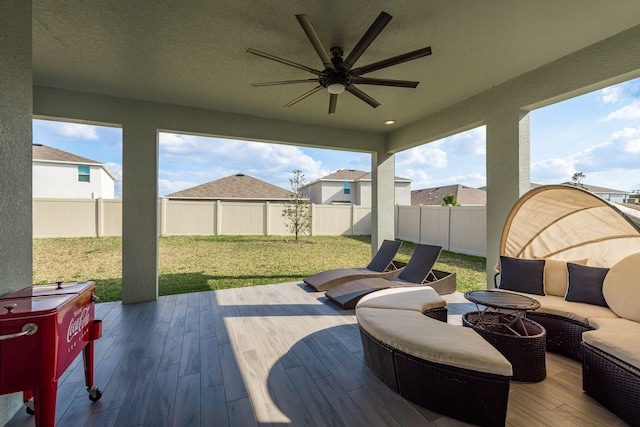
(417, 272)
(380, 266)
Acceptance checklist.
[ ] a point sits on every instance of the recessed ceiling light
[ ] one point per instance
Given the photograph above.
(389, 122)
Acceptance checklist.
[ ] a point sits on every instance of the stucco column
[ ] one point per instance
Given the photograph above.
(508, 177)
(16, 113)
(139, 211)
(382, 199)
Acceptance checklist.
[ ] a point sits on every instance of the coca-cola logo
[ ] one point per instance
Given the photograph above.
(78, 322)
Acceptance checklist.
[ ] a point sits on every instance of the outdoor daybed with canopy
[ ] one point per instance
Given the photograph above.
(588, 285)
(565, 222)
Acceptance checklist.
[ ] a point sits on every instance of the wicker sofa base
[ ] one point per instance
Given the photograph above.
(564, 335)
(466, 395)
(526, 352)
(612, 382)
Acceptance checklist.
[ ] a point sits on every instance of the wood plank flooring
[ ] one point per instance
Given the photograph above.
(275, 355)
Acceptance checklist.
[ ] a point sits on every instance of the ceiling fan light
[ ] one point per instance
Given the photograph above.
(336, 88)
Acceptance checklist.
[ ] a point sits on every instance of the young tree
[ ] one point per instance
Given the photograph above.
(576, 180)
(450, 200)
(297, 210)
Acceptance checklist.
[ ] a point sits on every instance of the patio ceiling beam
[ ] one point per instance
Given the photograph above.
(96, 108)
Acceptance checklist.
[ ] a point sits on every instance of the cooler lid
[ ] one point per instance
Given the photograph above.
(65, 288)
(11, 308)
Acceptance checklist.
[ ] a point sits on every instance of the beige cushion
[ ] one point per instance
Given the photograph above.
(556, 278)
(432, 340)
(618, 337)
(621, 288)
(420, 299)
(579, 311)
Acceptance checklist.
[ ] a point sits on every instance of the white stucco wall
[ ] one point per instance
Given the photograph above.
(333, 192)
(327, 192)
(60, 180)
(313, 192)
(402, 193)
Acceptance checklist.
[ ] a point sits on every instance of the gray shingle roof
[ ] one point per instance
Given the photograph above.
(46, 153)
(353, 175)
(238, 187)
(596, 189)
(464, 195)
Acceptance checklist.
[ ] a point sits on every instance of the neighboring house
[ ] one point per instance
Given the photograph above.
(58, 174)
(616, 196)
(237, 188)
(464, 195)
(349, 186)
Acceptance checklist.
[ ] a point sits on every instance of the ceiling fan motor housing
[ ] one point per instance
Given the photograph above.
(338, 75)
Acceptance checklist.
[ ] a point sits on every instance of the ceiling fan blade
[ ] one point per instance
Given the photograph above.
(363, 96)
(385, 82)
(284, 61)
(333, 101)
(315, 41)
(304, 95)
(392, 61)
(284, 82)
(374, 30)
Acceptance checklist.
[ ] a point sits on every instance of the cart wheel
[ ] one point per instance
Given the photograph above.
(95, 394)
(29, 407)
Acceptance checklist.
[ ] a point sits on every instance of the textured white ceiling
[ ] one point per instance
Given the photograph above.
(194, 52)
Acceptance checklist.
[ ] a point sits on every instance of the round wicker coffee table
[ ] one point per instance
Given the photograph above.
(521, 341)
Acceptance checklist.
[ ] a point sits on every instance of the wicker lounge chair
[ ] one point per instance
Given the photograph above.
(417, 272)
(380, 266)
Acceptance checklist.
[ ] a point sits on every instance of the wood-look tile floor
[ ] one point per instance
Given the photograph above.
(275, 355)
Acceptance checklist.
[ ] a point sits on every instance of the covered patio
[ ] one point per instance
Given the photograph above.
(273, 355)
(151, 66)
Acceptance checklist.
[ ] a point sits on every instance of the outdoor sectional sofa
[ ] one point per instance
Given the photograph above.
(591, 315)
(449, 369)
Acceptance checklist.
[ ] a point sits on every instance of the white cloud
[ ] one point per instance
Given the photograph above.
(552, 171)
(628, 112)
(75, 130)
(612, 93)
(166, 186)
(471, 142)
(630, 140)
(620, 92)
(116, 170)
(427, 155)
(192, 160)
(633, 146)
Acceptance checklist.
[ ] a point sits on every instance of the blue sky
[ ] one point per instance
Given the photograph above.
(597, 134)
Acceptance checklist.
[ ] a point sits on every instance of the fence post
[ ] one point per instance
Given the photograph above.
(353, 218)
(163, 216)
(218, 218)
(267, 218)
(449, 229)
(99, 217)
(312, 230)
(420, 210)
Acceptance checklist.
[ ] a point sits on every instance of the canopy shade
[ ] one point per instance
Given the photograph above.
(567, 223)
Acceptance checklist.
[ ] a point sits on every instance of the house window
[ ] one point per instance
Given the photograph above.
(83, 174)
(347, 188)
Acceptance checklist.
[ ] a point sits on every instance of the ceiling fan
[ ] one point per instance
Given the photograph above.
(338, 74)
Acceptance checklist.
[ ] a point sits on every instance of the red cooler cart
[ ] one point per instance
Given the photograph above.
(42, 330)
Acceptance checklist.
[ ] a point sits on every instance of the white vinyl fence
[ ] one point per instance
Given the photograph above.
(458, 229)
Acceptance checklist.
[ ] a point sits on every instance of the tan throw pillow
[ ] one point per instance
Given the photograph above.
(621, 288)
(556, 278)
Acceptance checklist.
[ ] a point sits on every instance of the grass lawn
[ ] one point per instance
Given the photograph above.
(202, 263)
